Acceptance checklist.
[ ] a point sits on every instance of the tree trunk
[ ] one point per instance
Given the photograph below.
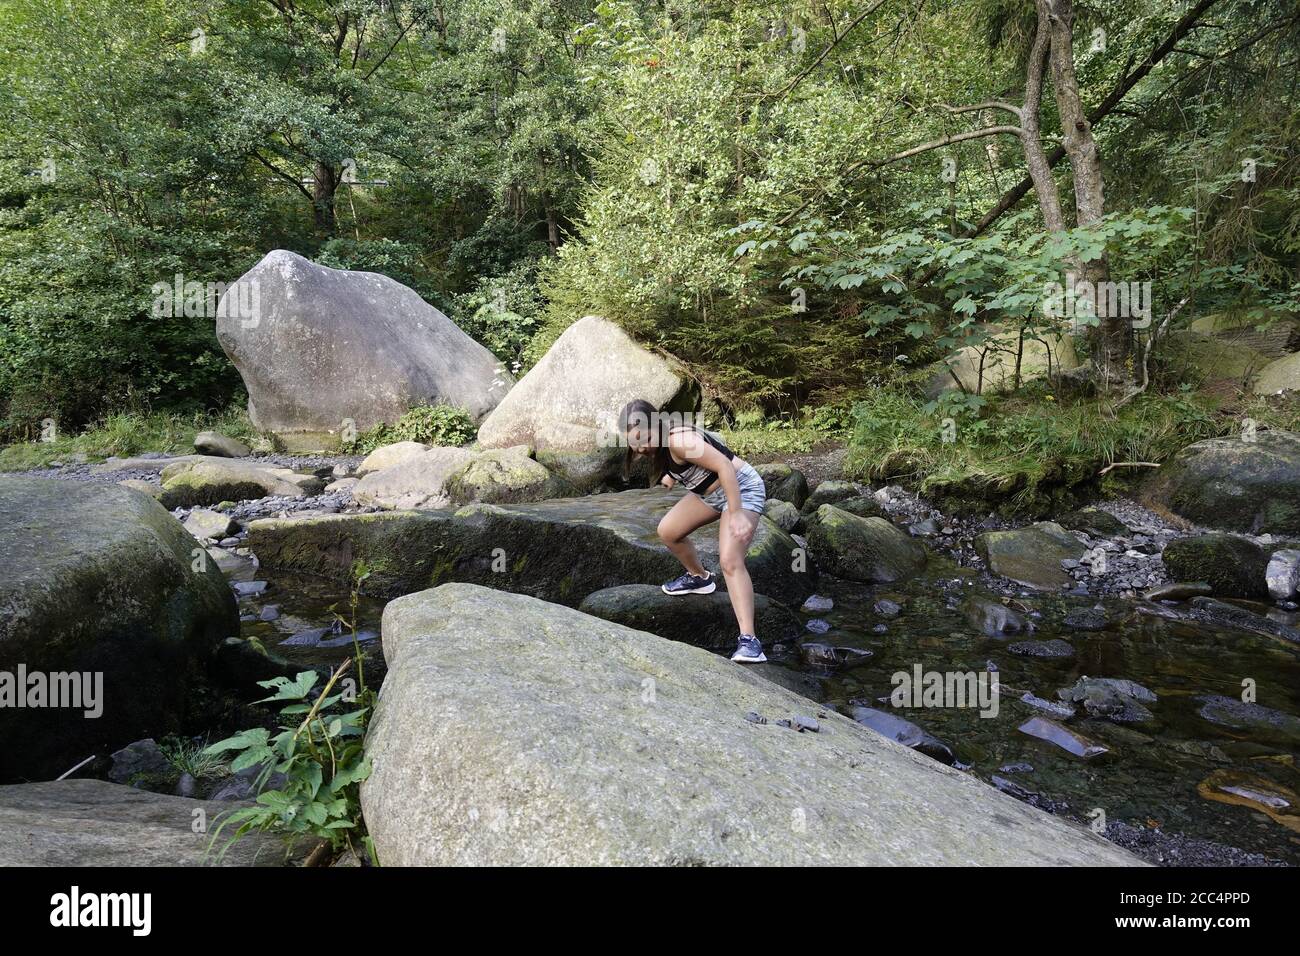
(325, 184)
(1040, 169)
(1112, 340)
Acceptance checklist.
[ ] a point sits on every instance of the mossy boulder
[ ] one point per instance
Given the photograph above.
(703, 620)
(783, 482)
(828, 493)
(1232, 565)
(97, 578)
(559, 550)
(1092, 520)
(1234, 485)
(504, 475)
(209, 481)
(863, 549)
(417, 481)
(1031, 555)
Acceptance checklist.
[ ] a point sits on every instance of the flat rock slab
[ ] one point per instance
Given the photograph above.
(1031, 555)
(511, 731)
(559, 550)
(703, 620)
(96, 823)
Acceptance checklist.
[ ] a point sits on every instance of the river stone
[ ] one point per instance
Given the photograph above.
(204, 524)
(210, 481)
(1256, 720)
(1274, 800)
(385, 456)
(99, 578)
(150, 463)
(1248, 486)
(419, 481)
(1282, 574)
(1054, 649)
(863, 549)
(903, 732)
(825, 655)
(1110, 698)
(828, 493)
(1221, 614)
(783, 482)
(1031, 555)
(783, 514)
(328, 349)
(992, 618)
(1093, 521)
(515, 732)
(142, 760)
(1068, 739)
(500, 475)
(341, 485)
(220, 446)
(559, 550)
(96, 823)
(1232, 565)
(570, 400)
(704, 620)
(861, 505)
(1178, 591)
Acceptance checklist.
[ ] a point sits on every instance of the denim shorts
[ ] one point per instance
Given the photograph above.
(753, 495)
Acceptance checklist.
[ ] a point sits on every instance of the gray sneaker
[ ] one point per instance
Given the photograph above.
(690, 584)
(749, 650)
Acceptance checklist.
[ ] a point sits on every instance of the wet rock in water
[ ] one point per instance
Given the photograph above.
(783, 514)
(887, 608)
(332, 346)
(269, 613)
(1068, 739)
(992, 618)
(220, 446)
(1282, 575)
(1093, 521)
(531, 705)
(1256, 720)
(1063, 711)
(1031, 555)
(817, 604)
(210, 481)
(784, 483)
(819, 654)
(1232, 565)
(828, 493)
(704, 620)
(880, 628)
(386, 456)
(870, 550)
(566, 400)
(1278, 802)
(1251, 487)
(1086, 619)
(818, 625)
(205, 524)
(1110, 698)
(1229, 615)
(1016, 768)
(142, 762)
(246, 589)
(1053, 649)
(99, 580)
(96, 823)
(904, 732)
(1179, 591)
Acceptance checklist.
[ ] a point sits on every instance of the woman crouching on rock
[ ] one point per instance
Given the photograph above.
(717, 484)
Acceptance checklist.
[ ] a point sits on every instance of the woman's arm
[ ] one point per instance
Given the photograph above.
(689, 446)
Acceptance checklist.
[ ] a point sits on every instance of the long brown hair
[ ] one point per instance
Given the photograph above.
(638, 412)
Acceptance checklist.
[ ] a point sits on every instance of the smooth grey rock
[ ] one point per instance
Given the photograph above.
(1262, 723)
(1178, 591)
(1110, 698)
(992, 618)
(205, 524)
(329, 349)
(828, 493)
(515, 732)
(1031, 555)
(570, 400)
(144, 758)
(217, 444)
(418, 481)
(99, 579)
(1282, 574)
(96, 823)
(210, 481)
(783, 514)
(386, 456)
(1068, 739)
(904, 732)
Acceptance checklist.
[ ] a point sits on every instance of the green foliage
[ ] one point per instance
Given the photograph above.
(430, 424)
(502, 312)
(1016, 451)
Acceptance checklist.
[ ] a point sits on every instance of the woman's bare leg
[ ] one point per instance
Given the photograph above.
(683, 518)
(731, 551)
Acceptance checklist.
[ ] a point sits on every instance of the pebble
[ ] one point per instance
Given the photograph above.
(818, 626)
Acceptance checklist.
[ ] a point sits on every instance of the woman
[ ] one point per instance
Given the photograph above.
(718, 485)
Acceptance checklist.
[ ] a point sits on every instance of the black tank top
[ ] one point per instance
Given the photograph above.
(694, 477)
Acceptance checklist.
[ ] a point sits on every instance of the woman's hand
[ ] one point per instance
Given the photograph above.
(667, 481)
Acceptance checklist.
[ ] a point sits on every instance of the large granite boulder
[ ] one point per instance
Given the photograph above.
(386, 456)
(96, 823)
(559, 550)
(991, 367)
(704, 620)
(415, 481)
(570, 400)
(440, 477)
(1232, 565)
(1280, 375)
(515, 732)
(100, 579)
(1031, 555)
(863, 549)
(1233, 484)
(319, 348)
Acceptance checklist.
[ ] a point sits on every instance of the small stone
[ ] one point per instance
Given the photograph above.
(817, 604)
(754, 718)
(269, 613)
(249, 588)
(887, 608)
(818, 626)
(802, 723)
(880, 629)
